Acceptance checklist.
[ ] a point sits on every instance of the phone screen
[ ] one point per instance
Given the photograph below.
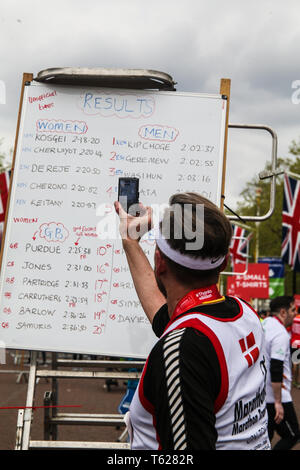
(128, 192)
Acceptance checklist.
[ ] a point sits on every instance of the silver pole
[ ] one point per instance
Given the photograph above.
(29, 401)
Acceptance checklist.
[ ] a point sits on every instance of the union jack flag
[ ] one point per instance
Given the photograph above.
(290, 247)
(238, 246)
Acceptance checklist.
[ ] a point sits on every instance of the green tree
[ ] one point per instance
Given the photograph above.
(255, 200)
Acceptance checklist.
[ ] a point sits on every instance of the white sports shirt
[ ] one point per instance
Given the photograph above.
(277, 341)
(240, 409)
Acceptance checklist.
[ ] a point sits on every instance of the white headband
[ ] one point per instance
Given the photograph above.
(202, 264)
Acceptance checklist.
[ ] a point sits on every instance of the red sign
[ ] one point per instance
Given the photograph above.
(295, 340)
(252, 285)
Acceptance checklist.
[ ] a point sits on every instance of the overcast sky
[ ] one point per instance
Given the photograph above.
(254, 43)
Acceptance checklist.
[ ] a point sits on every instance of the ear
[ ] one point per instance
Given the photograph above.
(160, 262)
(283, 312)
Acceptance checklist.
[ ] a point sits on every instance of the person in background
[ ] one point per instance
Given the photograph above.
(281, 412)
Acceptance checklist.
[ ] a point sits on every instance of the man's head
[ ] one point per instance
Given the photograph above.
(284, 308)
(194, 240)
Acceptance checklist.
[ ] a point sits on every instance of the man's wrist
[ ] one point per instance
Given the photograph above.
(129, 242)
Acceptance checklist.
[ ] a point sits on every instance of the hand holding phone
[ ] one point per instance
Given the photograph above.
(134, 227)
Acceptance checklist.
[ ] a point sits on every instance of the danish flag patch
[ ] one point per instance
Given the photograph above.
(249, 349)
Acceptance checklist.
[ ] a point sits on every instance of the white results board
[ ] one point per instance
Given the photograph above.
(65, 282)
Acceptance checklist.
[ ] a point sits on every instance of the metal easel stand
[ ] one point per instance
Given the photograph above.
(25, 416)
(52, 418)
(275, 171)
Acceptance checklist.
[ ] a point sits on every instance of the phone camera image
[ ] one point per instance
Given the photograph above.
(128, 195)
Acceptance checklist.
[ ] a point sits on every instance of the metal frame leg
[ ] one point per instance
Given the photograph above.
(29, 402)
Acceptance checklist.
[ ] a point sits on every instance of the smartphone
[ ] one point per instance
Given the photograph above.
(128, 194)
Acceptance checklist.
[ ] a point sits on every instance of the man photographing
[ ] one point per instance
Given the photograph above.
(203, 384)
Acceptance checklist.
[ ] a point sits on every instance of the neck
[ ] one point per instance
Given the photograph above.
(173, 297)
(177, 291)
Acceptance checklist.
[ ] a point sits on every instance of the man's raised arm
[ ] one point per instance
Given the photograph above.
(141, 270)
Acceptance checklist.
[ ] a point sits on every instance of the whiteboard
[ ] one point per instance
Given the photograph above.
(65, 283)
